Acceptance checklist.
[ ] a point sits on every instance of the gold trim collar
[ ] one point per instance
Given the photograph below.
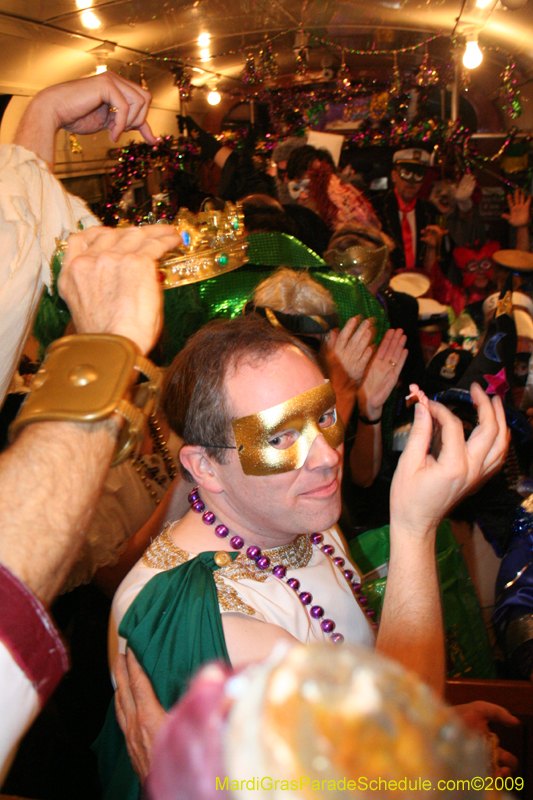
(164, 554)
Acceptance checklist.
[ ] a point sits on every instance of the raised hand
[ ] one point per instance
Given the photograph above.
(426, 487)
(382, 374)
(103, 101)
(87, 105)
(350, 349)
(519, 205)
(347, 355)
(110, 284)
(466, 187)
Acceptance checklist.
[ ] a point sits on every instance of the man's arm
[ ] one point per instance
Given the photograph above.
(35, 209)
(51, 476)
(250, 640)
(432, 237)
(424, 489)
(84, 106)
(50, 480)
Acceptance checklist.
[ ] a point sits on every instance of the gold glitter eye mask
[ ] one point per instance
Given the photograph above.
(301, 416)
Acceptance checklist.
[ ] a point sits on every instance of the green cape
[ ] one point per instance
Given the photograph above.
(173, 627)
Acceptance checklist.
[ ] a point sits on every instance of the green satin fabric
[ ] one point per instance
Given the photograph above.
(173, 626)
(187, 308)
(468, 650)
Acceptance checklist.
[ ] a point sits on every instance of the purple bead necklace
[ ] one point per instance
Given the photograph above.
(279, 570)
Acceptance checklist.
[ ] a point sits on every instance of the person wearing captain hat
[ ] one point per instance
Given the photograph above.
(404, 216)
(518, 263)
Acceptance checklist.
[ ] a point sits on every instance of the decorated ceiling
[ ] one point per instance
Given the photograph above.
(252, 45)
(380, 73)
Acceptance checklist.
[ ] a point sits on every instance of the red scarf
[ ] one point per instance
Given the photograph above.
(407, 233)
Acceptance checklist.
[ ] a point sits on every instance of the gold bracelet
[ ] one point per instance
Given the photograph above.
(88, 378)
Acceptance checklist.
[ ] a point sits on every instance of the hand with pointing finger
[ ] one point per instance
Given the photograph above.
(84, 106)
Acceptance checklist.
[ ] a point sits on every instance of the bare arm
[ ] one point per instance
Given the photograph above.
(522, 238)
(366, 453)
(84, 106)
(250, 640)
(42, 506)
(432, 236)
(424, 489)
(139, 712)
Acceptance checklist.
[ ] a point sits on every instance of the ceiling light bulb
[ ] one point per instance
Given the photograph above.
(213, 98)
(101, 68)
(90, 20)
(204, 55)
(483, 3)
(472, 56)
(203, 40)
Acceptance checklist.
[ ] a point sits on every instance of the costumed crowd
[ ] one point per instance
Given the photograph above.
(283, 446)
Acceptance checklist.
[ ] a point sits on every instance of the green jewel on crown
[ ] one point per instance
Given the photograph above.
(212, 242)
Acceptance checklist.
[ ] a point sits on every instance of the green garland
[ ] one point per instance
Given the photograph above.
(53, 314)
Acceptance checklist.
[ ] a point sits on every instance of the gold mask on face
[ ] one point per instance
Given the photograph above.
(279, 438)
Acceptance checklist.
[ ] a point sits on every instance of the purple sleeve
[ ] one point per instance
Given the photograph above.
(30, 635)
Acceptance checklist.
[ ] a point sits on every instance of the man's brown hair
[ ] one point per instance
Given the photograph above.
(194, 397)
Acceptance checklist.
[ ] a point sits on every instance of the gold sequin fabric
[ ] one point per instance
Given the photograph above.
(164, 554)
(293, 556)
(228, 597)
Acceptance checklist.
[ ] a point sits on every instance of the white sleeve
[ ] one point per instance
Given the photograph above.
(35, 210)
(19, 705)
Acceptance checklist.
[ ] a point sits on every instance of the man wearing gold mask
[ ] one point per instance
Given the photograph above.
(257, 559)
